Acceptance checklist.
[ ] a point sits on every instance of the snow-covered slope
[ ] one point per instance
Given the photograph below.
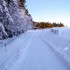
(14, 18)
(36, 50)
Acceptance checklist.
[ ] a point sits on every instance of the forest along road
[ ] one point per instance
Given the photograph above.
(39, 56)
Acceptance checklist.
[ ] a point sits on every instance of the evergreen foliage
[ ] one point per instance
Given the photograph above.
(47, 24)
(21, 3)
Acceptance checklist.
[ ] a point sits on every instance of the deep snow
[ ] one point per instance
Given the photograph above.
(37, 50)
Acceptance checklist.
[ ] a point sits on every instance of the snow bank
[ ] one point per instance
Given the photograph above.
(61, 31)
(58, 43)
(13, 50)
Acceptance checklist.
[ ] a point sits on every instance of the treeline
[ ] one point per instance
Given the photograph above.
(47, 24)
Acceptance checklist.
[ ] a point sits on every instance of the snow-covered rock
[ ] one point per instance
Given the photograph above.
(13, 17)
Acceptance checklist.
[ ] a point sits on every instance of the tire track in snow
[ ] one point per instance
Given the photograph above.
(23, 56)
(56, 53)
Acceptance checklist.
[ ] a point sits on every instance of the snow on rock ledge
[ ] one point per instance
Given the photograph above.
(13, 18)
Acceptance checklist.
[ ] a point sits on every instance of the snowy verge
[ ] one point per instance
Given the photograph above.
(59, 53)
(12, 52)
(22, 57)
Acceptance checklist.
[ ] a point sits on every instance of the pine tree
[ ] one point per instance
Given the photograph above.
(21, 3)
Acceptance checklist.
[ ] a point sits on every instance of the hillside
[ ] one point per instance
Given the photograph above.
(14, 19)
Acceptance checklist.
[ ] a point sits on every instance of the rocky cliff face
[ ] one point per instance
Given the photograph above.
(13, 18)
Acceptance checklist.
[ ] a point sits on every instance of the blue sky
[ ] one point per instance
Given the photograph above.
(50, 10)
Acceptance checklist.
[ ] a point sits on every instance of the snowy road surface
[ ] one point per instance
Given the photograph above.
(37, 55)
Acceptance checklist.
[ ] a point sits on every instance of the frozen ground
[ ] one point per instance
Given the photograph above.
(37, 50)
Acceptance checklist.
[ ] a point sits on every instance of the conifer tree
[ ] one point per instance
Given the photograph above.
(21, 3)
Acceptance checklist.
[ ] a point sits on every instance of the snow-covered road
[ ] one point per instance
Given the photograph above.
(38, 55)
